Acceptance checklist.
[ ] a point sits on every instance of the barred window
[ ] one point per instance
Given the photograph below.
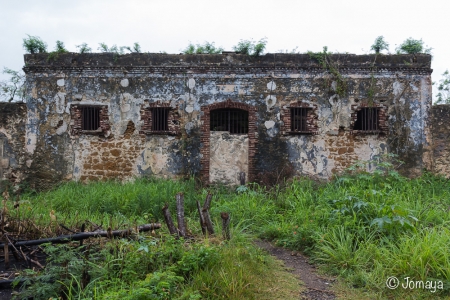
(367, 119)
(90, 118)
(299, 119)
(233, 120)
(160, 119)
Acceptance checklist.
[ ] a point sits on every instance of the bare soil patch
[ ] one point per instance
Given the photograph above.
(317, 287)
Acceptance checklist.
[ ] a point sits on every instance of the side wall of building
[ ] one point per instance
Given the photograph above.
(441, 139)
(12, 141)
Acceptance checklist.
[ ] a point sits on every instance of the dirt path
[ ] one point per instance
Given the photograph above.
(317, 287)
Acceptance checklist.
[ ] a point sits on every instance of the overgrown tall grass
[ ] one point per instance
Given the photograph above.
(363, 228)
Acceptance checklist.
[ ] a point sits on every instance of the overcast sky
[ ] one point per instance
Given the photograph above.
(344, 26)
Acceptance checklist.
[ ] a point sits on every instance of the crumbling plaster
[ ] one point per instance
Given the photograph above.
(187, 83)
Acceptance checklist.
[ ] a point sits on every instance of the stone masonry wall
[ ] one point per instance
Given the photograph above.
(441, 139)
(128, 87)
(12, 141)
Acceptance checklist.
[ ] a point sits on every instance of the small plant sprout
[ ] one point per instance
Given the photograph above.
(84, 48)
(34, 44)
(412, 46)
(379, 45)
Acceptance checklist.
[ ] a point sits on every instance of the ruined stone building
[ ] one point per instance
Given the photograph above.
(219, 117)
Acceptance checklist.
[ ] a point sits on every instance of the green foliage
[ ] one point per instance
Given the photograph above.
(443, 96)
(250, 47)
(379, 45)
(102, 47)
(412, 46)
(84, 48)
(324, 60)
(34, 44)
(206, 48)
(362, 226)
(13, 89)
(135, 49)
(60, 47)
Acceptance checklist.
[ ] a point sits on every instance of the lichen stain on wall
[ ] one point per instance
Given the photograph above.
(228, 157)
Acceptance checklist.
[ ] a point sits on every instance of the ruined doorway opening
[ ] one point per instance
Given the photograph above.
(228, 142)
(228, 145)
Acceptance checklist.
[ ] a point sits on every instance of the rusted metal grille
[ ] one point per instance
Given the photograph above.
(90, 118)
(367, 119)
(298, 119)
(160, 117)
(233, 120)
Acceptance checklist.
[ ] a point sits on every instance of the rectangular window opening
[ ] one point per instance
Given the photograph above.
(90, 118)
(233, 120)
(160, 119)
(367, 119)
(299, 116)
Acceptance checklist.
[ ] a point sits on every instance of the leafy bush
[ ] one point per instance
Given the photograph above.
(206, 48)
(412, 46)
(34, 44)
(250, 47)
(379, 45)
(84, 48)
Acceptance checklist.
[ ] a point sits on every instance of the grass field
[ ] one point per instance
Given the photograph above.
(363, 228)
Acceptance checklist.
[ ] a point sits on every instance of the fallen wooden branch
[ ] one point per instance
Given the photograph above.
(84, 235)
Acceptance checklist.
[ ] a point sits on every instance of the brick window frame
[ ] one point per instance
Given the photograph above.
(311, 118)
(382, 118)
(173, 119)
(76, 112)
(206, 131)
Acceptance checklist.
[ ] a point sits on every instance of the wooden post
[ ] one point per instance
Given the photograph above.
(225, 225)
(207, 203)
(206, 216)
(168, 219)
(202, 219)
(180, 214)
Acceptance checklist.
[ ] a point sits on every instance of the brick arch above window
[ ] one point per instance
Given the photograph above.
(205, 136)
(300, 118)
(160, 118)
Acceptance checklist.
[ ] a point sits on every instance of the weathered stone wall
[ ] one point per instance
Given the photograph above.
(12, 141)
(441, 139)
(129, 86)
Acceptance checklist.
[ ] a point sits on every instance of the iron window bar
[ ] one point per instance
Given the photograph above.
(90, 118)
(367, 120)
(160, 119)
(234, 121)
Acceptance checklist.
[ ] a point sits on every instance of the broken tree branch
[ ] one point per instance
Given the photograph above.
(225, 225)
(202, 219)
(205, 213)
(82, 236)
(180, 214)
(168, 219)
